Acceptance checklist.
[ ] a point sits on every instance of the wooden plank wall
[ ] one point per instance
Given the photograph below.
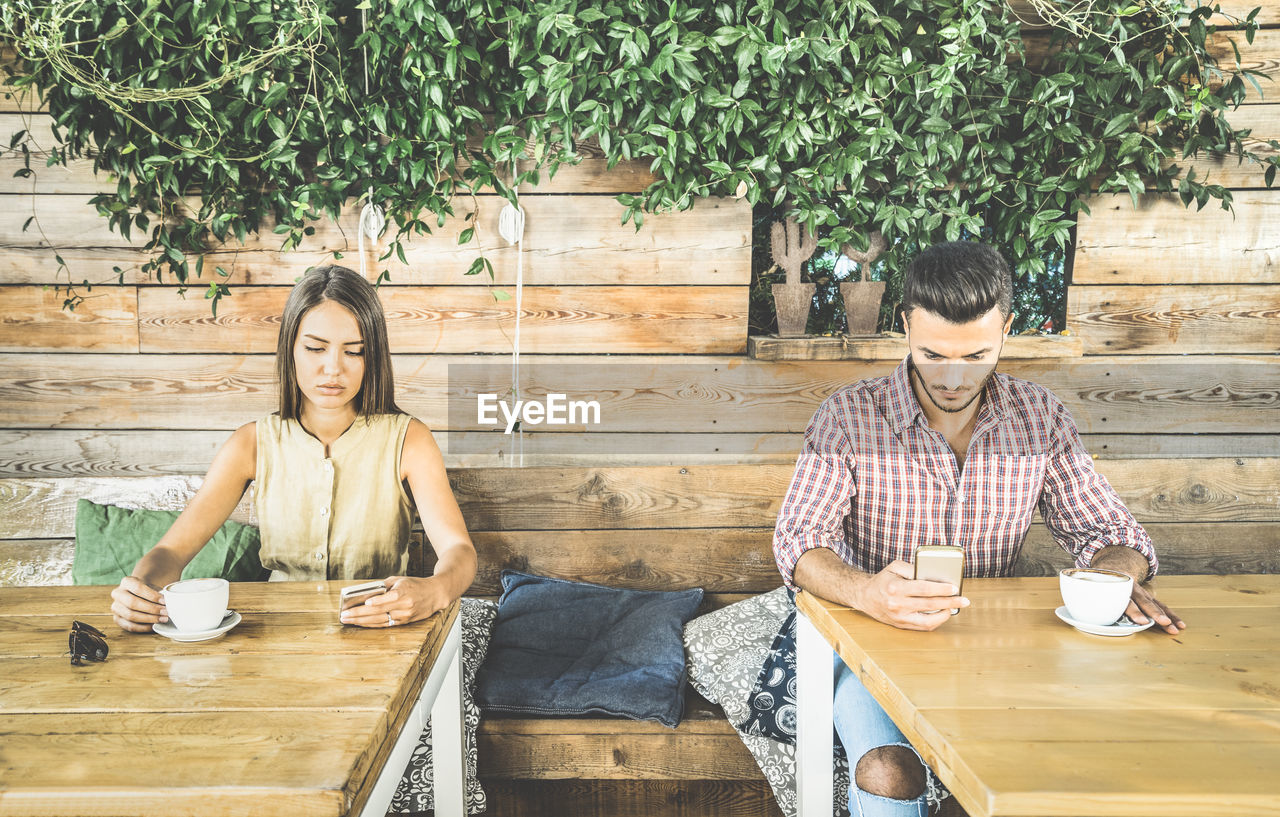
(140, 381)
(1193, 290)
(1176, 389)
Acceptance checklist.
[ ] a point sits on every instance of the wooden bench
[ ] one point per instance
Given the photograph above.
(662, 528)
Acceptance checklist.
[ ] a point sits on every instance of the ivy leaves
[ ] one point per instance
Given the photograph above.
(925, 121)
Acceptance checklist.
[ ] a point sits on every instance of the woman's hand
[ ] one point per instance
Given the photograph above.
(136, 605)
(407, 599)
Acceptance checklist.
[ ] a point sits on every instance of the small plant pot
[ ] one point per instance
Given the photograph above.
(792, 302)
(862, 305)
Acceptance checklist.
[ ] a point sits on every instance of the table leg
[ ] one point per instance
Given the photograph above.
(815, 778)
(441, 701)
(448, 752)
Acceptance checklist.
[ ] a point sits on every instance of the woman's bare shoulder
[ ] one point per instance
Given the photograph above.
(240, 451)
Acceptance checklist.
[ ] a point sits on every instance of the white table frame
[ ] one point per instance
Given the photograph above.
(815, 714)
(441, 702)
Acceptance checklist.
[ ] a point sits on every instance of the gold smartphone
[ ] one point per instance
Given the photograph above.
(941, 563)
(356, 594)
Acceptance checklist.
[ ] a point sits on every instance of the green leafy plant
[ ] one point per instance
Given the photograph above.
(926, 121)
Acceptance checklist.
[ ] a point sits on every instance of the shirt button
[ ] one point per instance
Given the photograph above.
(328, 466)
(960, 498)
(324, 511)
(319, 557)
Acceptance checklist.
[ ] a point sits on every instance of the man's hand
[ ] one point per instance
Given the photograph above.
(1143, 605)
(894, 597)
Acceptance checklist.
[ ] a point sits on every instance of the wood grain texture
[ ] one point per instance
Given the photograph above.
(261, 634)
(606, 756)
(76, 177)
(57, 453)
(770, 347)
(1262, 55)
(217, 694)
(630, 798)
(1116, 244)
(40, 453)
(728, 560)
(620, 498)
(1195, 490)
(1263, 122)
(1198, 692)
(288, 757)
(1163, 394)
(75, 453)
(1183, 548)
(11, 98)
(469, 320)
(36, 562)
(657, 498)
(572, 239)
(1113, 395)
(1181, 446)
(719, 560)
(32, 319)
(46, 508)
(1175, 318)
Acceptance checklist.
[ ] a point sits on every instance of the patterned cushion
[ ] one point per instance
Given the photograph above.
(772, 703)
(414, 793)
(726, 649)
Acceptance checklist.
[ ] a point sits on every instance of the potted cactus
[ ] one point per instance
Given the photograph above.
(862, 298)
(791, 247)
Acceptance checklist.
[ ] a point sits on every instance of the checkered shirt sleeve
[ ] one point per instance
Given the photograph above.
(1079, 506)
(818, 500)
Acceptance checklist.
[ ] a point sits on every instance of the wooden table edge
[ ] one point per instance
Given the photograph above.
(977, 799)
(406, 699)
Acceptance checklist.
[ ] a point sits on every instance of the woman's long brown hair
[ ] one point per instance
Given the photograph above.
(349, 289)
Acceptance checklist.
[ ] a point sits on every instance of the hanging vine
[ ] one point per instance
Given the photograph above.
(920, 120)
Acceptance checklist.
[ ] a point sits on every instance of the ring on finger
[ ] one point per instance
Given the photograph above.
(390, 621)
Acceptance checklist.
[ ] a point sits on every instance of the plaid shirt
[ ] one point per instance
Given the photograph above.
(874, 481)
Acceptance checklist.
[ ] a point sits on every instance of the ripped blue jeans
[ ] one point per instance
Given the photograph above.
(863, 725)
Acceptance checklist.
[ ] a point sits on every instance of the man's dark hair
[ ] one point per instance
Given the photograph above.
(959, 281)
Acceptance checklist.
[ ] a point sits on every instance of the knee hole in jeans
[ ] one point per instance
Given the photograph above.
(891, 771)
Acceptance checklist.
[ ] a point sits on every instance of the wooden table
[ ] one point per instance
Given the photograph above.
(1020, 714)
(288, 713)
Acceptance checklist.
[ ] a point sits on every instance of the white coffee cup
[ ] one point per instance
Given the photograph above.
(197, 604)
(1095, 596)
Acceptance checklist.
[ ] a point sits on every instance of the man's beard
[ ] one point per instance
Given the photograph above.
(928, 392)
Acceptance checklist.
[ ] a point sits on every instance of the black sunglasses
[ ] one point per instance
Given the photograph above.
(87, 643)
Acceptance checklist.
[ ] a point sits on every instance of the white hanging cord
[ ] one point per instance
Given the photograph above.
(511, 228)
(372, 218)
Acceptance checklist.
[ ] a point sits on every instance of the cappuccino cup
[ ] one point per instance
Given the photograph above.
(197, 604)
(1095, 596)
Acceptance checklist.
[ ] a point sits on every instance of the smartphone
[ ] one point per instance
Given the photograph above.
(356, 594)
(941, 563)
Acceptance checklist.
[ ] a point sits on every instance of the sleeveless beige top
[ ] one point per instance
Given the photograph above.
(345, 516)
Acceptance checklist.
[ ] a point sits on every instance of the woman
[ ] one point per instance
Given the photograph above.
(338, 471)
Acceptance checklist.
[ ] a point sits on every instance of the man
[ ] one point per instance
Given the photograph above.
(944, 451)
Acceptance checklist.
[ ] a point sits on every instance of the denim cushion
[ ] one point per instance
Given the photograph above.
(571, 648)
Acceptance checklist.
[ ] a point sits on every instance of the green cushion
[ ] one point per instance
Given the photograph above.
(110, 541)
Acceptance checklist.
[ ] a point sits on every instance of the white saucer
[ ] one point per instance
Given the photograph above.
(166, 629)
(1122, 627)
